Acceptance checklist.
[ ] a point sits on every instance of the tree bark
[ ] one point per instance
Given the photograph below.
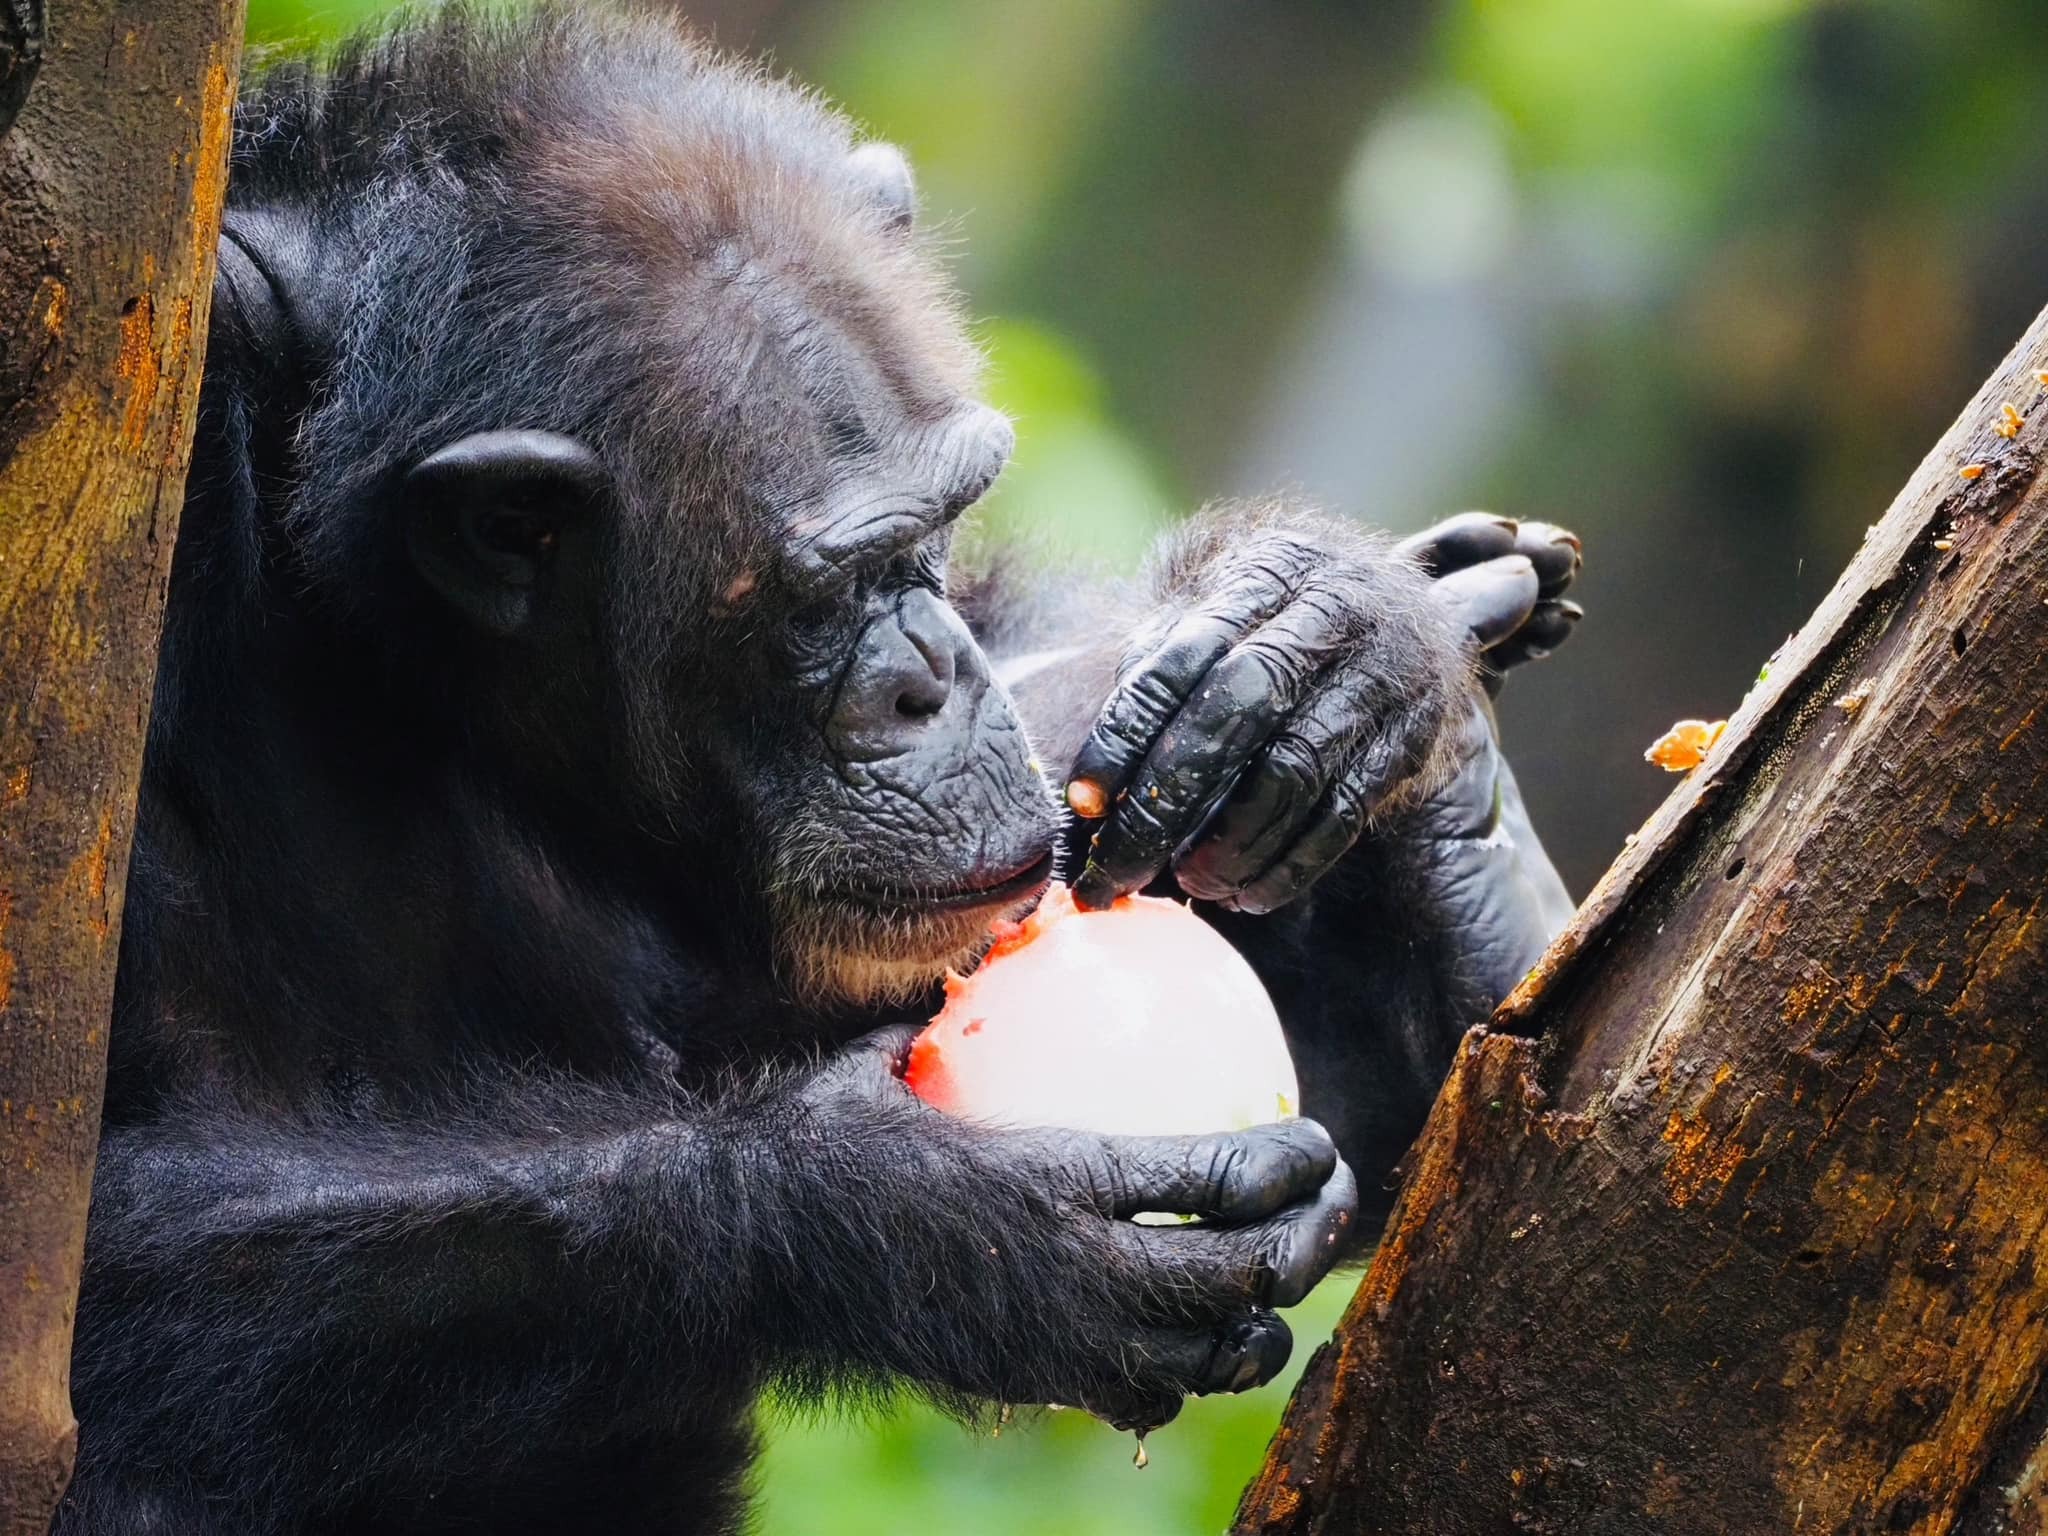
(111, 178)
(1756, 1237)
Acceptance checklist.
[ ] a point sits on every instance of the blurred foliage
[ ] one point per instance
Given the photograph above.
(1700, 278)
(1047, 1474)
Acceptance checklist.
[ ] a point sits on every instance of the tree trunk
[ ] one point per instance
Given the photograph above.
(1756, 1238)
(112, 167)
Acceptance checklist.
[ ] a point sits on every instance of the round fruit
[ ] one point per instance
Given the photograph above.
(1136, 1020)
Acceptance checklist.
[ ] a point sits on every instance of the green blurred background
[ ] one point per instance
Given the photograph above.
(1700, 278)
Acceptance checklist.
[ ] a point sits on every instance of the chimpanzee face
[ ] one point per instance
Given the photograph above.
(699, 443)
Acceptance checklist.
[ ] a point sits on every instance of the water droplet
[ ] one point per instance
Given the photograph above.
(1142, 1460)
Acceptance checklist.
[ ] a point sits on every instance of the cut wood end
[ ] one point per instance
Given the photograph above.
(1492, 1081)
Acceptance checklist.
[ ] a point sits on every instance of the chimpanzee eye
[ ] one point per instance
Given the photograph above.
(821, 627)
(514, 531)
(813, 617)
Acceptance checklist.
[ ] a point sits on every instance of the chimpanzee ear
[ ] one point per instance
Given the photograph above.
(271, 303)
(485, 515)
(886, 176)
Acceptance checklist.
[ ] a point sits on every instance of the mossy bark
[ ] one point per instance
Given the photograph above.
(116, 117)
(1756, 1239)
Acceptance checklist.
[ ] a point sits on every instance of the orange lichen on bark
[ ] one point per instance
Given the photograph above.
(141, 367)
(210, 173)
(2026, 724)
(1701, 1158)
(1806, 1001)
(96, 878)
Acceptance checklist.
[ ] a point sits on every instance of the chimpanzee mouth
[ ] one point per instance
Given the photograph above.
(1009, 889)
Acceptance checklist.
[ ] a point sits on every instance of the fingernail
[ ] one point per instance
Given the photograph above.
(1570, 609)
(1246, 1375)
(1088, 798)
(1566, 536)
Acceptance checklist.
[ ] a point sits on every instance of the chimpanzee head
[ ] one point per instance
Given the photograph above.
(632, 420)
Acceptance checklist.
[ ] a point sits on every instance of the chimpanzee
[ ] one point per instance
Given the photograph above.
(570, 769)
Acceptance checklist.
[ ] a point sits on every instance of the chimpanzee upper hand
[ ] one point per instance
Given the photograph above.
(1302, 678)
(1066, 1299)
(1309, 679)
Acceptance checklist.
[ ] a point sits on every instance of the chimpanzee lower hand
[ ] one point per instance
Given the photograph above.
(1066, 1299)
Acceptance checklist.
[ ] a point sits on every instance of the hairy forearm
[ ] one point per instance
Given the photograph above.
(607, 1254)
(426, 1298)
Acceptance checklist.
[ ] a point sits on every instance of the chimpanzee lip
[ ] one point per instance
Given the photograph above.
(1026, 882)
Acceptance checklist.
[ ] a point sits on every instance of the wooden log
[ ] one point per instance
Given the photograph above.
(1756, 1238)
(112, 170)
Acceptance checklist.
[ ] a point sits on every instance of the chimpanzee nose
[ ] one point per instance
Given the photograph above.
(926, 688)
(904, 672)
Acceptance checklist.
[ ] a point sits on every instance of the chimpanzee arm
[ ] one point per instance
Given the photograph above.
(1445, 898)
(429, 1305)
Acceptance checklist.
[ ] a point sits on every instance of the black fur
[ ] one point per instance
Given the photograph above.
(468, 1162)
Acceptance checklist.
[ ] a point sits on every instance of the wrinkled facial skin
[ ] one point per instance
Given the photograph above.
(894, 801)
(746, 506)
(919, 812)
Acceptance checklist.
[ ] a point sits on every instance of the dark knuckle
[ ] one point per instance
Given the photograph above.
(1292, 766)
(1229, 1172)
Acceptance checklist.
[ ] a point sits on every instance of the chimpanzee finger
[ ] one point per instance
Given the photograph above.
(1322, 837)
(1150, 694)
(1273, 798)
(1337, 824)
(1271, 1263)
(1246, 1352)
(1230, 715)
(1235, 1176)
(1456, 542)
(1152, 691)
(1491, 600)
(1549, 626)
(1234, 709)
(1151, 1398)
(1554, 551)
